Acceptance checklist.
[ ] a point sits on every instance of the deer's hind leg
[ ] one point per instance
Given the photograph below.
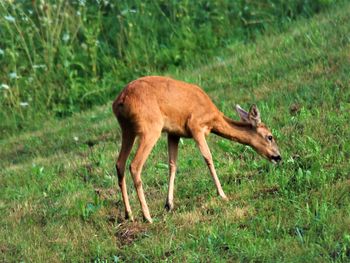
(128, 138)
(146, 142)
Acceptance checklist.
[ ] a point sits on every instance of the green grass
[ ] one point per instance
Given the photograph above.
(61, 57)
(59, 199)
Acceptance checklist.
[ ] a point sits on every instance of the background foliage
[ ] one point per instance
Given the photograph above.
(59, 57)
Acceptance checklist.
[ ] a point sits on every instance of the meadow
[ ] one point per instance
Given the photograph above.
(59, 198)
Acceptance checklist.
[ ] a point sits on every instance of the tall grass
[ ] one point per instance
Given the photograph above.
(58, 57)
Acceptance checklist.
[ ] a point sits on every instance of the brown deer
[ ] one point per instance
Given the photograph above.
(151, 105)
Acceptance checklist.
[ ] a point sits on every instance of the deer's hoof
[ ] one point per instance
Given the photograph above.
(148, 220)
(128, 216)
(169, 207)
(224, 197)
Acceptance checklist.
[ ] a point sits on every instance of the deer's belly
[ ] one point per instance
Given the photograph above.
(176, 128)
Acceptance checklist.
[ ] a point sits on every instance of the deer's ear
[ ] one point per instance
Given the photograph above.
(242, 114)
(254, 115)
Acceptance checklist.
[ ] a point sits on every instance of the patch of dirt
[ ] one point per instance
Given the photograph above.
(294, 108)
(128, 232)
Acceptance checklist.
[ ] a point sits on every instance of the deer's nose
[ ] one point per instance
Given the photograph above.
(277, 158)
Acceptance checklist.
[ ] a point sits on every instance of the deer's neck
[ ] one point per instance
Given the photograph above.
(233, 130)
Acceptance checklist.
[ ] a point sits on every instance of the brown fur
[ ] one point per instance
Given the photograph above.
(151, 105)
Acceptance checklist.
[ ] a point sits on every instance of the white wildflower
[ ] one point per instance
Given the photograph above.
(13, 75)
(78, 13)
(24, 104)
(125, 11)
(2, 52)
(76, 138)
(46, 21)
(65, 37)
(10, 18)
(5, 86)
(39, 66)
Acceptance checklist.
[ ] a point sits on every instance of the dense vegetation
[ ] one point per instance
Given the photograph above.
(59, 57)
(59, 199)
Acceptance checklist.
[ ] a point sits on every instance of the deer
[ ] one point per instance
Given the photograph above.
(152, 105)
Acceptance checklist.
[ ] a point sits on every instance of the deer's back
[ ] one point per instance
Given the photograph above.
(164, 101)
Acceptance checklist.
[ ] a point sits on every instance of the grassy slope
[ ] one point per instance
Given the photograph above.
(59, 198)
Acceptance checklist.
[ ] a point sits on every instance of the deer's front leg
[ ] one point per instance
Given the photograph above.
(173, 143)
(204, 149)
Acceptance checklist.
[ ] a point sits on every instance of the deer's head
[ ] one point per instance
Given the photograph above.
(262, 140)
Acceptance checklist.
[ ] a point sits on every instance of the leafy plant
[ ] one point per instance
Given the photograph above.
(60, 57)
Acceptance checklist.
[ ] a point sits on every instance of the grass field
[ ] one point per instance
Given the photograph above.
(59, 199)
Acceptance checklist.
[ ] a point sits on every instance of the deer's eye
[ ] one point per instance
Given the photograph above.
(269, 137)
